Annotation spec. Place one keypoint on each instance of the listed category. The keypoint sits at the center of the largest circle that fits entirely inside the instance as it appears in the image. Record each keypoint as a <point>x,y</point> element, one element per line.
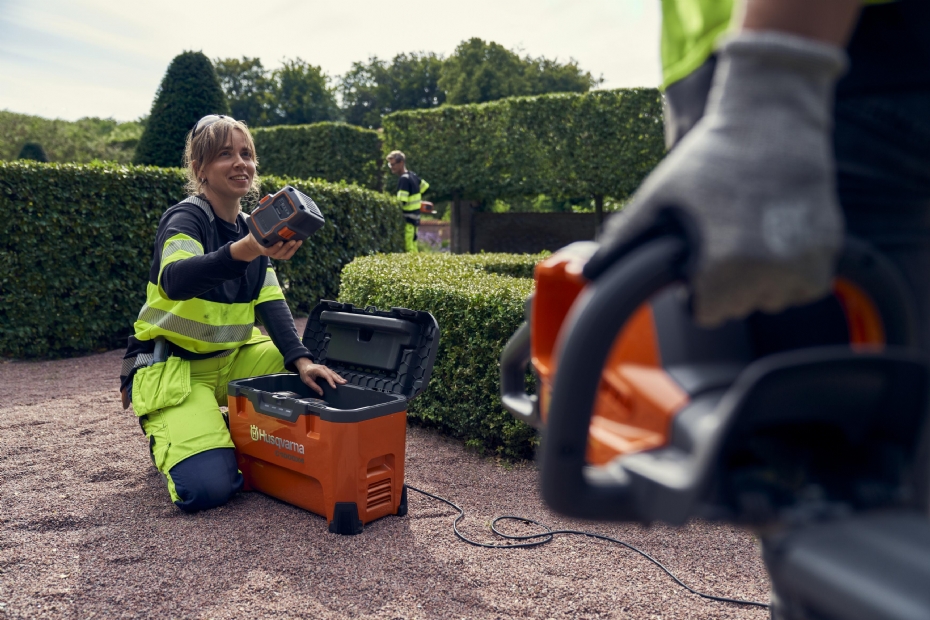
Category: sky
<point>74,58</point>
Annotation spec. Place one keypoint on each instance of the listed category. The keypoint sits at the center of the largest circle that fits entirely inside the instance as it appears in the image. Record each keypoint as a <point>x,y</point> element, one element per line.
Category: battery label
<point>283,208</point>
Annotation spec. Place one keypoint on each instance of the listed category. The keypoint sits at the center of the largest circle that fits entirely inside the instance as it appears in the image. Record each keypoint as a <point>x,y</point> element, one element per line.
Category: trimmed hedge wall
<point>329,151</point>
<point>77,246</point>
<point>601,143</point>
<point>478,301</point>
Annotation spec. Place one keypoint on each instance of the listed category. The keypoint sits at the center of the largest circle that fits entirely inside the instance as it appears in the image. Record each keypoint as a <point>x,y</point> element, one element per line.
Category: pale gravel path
<point>87,531</point>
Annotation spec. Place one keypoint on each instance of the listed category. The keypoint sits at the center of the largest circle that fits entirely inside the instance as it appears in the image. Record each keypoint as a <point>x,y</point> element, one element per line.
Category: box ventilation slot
<point>379,493</point>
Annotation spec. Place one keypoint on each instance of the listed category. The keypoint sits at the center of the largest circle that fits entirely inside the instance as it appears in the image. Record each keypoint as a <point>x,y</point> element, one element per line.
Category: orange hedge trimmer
<point>780,422</point>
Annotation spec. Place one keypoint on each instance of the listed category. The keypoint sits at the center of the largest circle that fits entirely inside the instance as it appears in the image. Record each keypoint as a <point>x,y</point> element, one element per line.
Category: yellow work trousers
<point>410,237</point>
<point>196,424</point>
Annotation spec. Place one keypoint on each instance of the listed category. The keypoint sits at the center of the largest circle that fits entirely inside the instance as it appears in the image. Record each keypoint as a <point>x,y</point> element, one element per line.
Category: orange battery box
<point>341,455</point>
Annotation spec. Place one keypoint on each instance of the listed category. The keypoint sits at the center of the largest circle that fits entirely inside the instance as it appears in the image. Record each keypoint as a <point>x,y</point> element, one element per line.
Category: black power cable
<point>550,533</point>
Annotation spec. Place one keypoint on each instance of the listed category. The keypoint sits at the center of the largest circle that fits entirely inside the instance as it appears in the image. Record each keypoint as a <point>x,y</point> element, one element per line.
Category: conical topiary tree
<point>33,151</point>
<point>189,91</point>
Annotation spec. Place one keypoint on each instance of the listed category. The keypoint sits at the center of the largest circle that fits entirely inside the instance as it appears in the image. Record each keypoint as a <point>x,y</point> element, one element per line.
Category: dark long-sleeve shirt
<point>202,300</point>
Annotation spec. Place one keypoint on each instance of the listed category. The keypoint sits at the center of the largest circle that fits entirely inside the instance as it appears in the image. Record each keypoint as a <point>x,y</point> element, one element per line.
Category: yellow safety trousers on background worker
<point>410,237</point>
<point>178,401</point>
<point>410,203</point>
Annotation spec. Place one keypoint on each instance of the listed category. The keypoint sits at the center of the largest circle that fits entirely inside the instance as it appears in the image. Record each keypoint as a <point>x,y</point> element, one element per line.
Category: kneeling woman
<point>208,279</point>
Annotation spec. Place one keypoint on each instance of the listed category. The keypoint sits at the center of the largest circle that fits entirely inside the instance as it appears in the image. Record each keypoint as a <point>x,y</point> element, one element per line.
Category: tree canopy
<point>371,90</point>
<point>189,91</point>
<point>248,87</point>
<point>480,71</point>
<point>294,94</point>
<point>301,95</point>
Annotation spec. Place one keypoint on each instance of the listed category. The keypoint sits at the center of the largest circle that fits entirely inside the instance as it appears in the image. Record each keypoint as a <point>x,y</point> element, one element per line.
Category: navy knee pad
<point>206,480</point>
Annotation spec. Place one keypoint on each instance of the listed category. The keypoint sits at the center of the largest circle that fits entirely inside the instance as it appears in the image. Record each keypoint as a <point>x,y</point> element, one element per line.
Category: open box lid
<point>389,351</point>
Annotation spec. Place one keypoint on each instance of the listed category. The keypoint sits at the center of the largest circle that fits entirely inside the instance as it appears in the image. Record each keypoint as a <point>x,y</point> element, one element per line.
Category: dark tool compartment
<point>386,356</point>
<point>346,404</point>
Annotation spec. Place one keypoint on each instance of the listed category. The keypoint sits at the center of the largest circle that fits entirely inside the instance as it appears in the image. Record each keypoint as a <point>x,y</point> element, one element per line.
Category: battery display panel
<point>283,208</point>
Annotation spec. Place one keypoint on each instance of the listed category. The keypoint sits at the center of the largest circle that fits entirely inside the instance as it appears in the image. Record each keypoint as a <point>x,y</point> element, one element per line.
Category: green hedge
<point>478,301</point>
<point>77,245</point>
<point>601,143</point>
<point>330,151</point>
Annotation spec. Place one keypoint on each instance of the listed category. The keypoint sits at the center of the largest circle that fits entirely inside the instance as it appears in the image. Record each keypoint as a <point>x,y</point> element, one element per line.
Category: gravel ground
<point>88,532</point>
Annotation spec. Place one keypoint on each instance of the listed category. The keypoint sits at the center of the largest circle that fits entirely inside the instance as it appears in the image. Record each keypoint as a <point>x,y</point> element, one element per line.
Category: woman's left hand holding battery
<point>248,249</point>
<point>310,372</point>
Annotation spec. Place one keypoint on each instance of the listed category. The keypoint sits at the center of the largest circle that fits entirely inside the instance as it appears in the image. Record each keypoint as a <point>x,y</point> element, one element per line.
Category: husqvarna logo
<point>260,435</point>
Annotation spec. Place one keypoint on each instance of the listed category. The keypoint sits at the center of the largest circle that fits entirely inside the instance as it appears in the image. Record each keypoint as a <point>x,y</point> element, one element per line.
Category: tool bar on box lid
<point>390,351</point>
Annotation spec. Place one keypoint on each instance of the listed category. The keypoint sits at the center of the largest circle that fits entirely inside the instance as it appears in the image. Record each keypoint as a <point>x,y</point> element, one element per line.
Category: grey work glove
<point>752,185</point>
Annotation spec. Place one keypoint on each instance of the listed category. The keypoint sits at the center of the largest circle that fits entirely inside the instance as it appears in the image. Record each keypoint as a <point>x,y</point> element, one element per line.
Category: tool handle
<point>514,359</point>
<point>568,484</point>
<point>584,344</point>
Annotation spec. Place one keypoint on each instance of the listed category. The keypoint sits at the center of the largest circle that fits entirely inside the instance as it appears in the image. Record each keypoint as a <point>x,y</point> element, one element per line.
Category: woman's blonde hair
<point>206,146</point>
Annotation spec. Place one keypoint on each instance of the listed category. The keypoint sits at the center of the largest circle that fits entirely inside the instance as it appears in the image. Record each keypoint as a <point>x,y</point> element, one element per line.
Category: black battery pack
<point>288,215</point>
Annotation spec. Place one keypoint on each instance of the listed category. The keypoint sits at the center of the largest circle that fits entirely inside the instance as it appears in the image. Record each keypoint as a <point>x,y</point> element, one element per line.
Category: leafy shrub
<point>247,87</point>
<point>80,141</point>
<point>189,91</point>
<point>33,151</point>
<point>597,144</point>
<point>479,71</point>
<point>301,95</point>
<point>478,300</point>
<point>77,246</point>
<point>296,93</point>
<point>330,151</point>
<point>371,90</point>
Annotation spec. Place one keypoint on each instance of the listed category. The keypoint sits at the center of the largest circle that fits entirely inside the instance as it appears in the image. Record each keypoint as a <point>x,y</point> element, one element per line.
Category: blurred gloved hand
<point>753,184</point>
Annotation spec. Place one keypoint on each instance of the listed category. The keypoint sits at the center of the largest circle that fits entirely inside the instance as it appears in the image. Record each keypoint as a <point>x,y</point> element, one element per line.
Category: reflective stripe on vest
<point>271,289</point>
<point>411,202</point>
<point>178,247</point>
<point>197,325</point>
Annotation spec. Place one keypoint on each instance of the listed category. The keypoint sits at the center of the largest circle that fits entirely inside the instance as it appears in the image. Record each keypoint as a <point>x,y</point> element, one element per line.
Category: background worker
<point>410,190</point>
<point>209,278</point>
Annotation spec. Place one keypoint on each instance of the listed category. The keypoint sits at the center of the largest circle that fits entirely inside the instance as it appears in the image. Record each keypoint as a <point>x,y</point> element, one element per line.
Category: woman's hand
<point>248,249</point>
<point>310,372</point>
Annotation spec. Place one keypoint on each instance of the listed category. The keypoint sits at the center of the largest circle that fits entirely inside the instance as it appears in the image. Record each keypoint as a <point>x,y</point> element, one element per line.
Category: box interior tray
<point>286,397</point>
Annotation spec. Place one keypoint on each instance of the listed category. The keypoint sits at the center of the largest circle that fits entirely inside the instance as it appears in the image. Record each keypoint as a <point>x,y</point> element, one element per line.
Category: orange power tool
<point>646,416</point>
<point>805,426</point>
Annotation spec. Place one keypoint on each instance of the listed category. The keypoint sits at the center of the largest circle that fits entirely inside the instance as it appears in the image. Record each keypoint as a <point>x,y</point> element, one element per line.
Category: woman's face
<point>230,175</point>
